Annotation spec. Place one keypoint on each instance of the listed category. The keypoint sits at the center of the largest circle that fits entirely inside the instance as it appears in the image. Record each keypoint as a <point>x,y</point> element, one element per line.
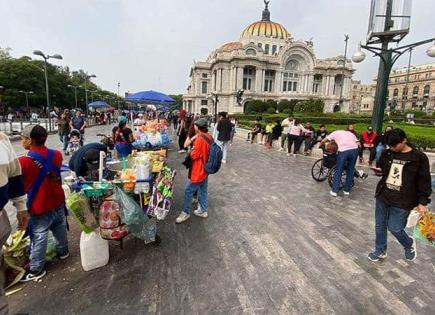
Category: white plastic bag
<point>413,218</point>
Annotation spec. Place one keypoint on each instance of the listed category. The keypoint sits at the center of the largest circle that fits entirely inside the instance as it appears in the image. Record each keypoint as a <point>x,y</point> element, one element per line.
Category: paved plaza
<point>275,242</point>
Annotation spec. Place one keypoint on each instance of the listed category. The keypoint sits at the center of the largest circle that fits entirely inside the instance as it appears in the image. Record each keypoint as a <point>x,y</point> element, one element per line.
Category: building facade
<point>267,64</point>
<point>410,88</point>
<point>362,97</point>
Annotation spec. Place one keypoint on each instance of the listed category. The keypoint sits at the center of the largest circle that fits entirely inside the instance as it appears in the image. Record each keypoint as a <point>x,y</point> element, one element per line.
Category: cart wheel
<point>318,171</point>
<point>342,179</point>
<point>157,241</point>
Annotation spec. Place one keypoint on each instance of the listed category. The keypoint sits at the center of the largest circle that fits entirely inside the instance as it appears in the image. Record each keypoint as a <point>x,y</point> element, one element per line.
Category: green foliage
<point>178,102</point>
<point>310,106</point>
<point>258,106</point>
<point>26,74</point>
<point>287,106</point>
<point>270,110</point>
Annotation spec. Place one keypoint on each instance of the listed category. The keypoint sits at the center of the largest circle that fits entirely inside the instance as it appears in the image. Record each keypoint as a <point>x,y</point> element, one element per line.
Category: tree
<point>310,106</point>
<point>287,105</point>
<point>26,74</point>
<point>178,102</point>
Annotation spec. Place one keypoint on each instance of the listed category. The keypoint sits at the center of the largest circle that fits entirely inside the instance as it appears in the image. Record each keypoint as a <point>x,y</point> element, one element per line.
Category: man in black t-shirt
<point>405,185</point>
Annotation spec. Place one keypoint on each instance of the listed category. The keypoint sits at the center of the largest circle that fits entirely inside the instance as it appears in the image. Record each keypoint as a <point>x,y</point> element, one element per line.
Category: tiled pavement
<point>275,243</point>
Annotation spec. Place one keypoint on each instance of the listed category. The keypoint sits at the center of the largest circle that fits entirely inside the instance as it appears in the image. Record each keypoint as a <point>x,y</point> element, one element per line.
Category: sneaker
<point>346,193</point>
<point>182,217</point>
<point>63,257</point>
<point>411,253</point>
<point>374,256</point>
<point>200,213</point>
<point>182,151</point>
<point>333,194</point>
<point>288,154</point>
<point>32,276</point>
<point>224,161</point>
<point>280,149</point>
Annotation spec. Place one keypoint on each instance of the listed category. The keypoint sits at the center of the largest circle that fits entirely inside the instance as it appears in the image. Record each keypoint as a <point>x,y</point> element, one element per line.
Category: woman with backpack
<point>123,138</point>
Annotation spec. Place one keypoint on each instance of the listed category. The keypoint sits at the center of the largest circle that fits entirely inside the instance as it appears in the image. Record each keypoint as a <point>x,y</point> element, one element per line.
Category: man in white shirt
<point>286,125</point>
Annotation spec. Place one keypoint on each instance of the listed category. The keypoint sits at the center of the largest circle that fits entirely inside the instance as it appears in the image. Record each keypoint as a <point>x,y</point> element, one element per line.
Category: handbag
<point>187,161</point>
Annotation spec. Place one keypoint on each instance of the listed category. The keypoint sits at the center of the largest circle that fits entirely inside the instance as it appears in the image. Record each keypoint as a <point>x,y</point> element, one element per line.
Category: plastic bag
<point>133,216</point>
<point>424,230</point>
<point>78,204</point>
<point>412,219</point>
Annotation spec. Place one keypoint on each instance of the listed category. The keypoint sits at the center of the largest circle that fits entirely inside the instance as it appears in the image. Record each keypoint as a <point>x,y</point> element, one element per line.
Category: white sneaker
<point>280,149</point>
<point>346,193</point>
<point>288,154</point>
<point>182,151</point>
<point>182,217</point>
<point>333,194</point>
<point>224,161</point>
<point>200,213</point>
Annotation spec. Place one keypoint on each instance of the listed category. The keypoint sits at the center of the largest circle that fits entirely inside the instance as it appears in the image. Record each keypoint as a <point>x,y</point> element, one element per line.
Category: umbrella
<point>98,104</point>
<point>150,97</point>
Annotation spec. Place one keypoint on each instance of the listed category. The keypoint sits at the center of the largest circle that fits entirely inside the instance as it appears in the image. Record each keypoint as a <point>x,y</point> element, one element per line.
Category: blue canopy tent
<point>152,97</point>
<point>98,104</point>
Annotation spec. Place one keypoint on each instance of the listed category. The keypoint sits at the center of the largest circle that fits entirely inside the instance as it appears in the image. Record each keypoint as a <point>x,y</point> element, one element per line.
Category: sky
<point>146,44</point>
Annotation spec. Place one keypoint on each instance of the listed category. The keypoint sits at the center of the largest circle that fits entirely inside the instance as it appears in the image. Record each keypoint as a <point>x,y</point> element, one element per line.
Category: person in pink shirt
<point>347,155</point>
<point>294,136</point>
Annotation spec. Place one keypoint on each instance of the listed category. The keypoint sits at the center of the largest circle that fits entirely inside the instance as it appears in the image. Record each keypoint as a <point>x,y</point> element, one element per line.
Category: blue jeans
<point>201,188</point>
<point>379,149</point>
<point>54,221</point>
<point>345,160</point>
<point>64,140</point>
<point>394,219</point>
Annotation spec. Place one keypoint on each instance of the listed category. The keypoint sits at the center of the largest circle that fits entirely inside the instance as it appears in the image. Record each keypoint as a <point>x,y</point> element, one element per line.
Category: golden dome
<point>231,46</point>
<point>266,29</point>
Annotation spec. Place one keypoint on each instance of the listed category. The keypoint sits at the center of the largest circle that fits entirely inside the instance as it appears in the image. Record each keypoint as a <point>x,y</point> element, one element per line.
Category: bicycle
<point>108,142</point>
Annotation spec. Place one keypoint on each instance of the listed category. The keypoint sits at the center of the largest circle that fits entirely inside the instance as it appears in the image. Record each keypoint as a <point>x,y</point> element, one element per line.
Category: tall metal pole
<point>27,101</point>
<point>75,95</point>
<point>86,95</point>
<point>384,70</point>
<point>346,39</point>
<point>407,80</point>
<point>47,93</point>
<point>119,84</point>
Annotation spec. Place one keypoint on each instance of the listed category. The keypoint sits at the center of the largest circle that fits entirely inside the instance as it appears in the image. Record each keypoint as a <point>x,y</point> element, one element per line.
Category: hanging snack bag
<point>110,222</point>
<point>78,204</point>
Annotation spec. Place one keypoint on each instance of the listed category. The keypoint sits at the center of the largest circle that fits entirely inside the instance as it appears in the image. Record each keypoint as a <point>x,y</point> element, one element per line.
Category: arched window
<point>415,92</point>
<point>249,78</point>
<point>260,45</point>
<point>273,49</point>
<point>426,91</point>
<point>317,84</point>
<point>405,93</point>
<point>266,49</point>
<point>251,52</point>
<point>291,76</point>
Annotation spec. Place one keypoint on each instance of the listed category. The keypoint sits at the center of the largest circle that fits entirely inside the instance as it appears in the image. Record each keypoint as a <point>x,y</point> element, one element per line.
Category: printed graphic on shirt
<point>394,180</point>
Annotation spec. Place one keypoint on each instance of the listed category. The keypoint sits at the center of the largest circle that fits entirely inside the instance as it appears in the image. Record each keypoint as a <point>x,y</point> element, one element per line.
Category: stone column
<point>258,78</point>
<point>310,83</point>
<point>240,78</point>
<point>331,85</point>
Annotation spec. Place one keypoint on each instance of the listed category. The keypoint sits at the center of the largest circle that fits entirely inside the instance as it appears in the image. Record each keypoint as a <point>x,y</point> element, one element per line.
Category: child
<point>267,132</point>
<point>45,199</point>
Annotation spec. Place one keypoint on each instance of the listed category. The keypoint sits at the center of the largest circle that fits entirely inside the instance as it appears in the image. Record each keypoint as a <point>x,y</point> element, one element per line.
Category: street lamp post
<point>215,99</point>
<point>75,92</point>
<point>346,40</point>
<point>383,30</point>
<point>87,77</point>
<point>46,57</point>
<point>119,84</point>
<point>26,93</point>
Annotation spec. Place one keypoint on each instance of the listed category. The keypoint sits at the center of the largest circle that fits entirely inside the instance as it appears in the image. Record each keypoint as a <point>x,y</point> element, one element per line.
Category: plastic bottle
<point>142,165</point>
<point>94,251</point>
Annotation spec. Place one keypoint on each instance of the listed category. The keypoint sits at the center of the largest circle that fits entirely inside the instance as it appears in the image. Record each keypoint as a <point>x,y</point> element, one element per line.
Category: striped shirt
<point>11,180</point>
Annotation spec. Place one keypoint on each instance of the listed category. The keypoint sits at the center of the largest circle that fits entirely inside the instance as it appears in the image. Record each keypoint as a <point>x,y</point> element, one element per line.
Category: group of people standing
<point>68,122</point>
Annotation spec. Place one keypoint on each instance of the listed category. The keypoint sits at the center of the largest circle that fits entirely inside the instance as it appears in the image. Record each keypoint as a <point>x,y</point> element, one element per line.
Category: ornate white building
<point>267,64</point>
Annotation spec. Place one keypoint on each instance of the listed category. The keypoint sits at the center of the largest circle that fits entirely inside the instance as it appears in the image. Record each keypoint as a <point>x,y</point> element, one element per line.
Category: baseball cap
<point>202,122</point>
<point>369,127</point>
<point>35,132</point>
